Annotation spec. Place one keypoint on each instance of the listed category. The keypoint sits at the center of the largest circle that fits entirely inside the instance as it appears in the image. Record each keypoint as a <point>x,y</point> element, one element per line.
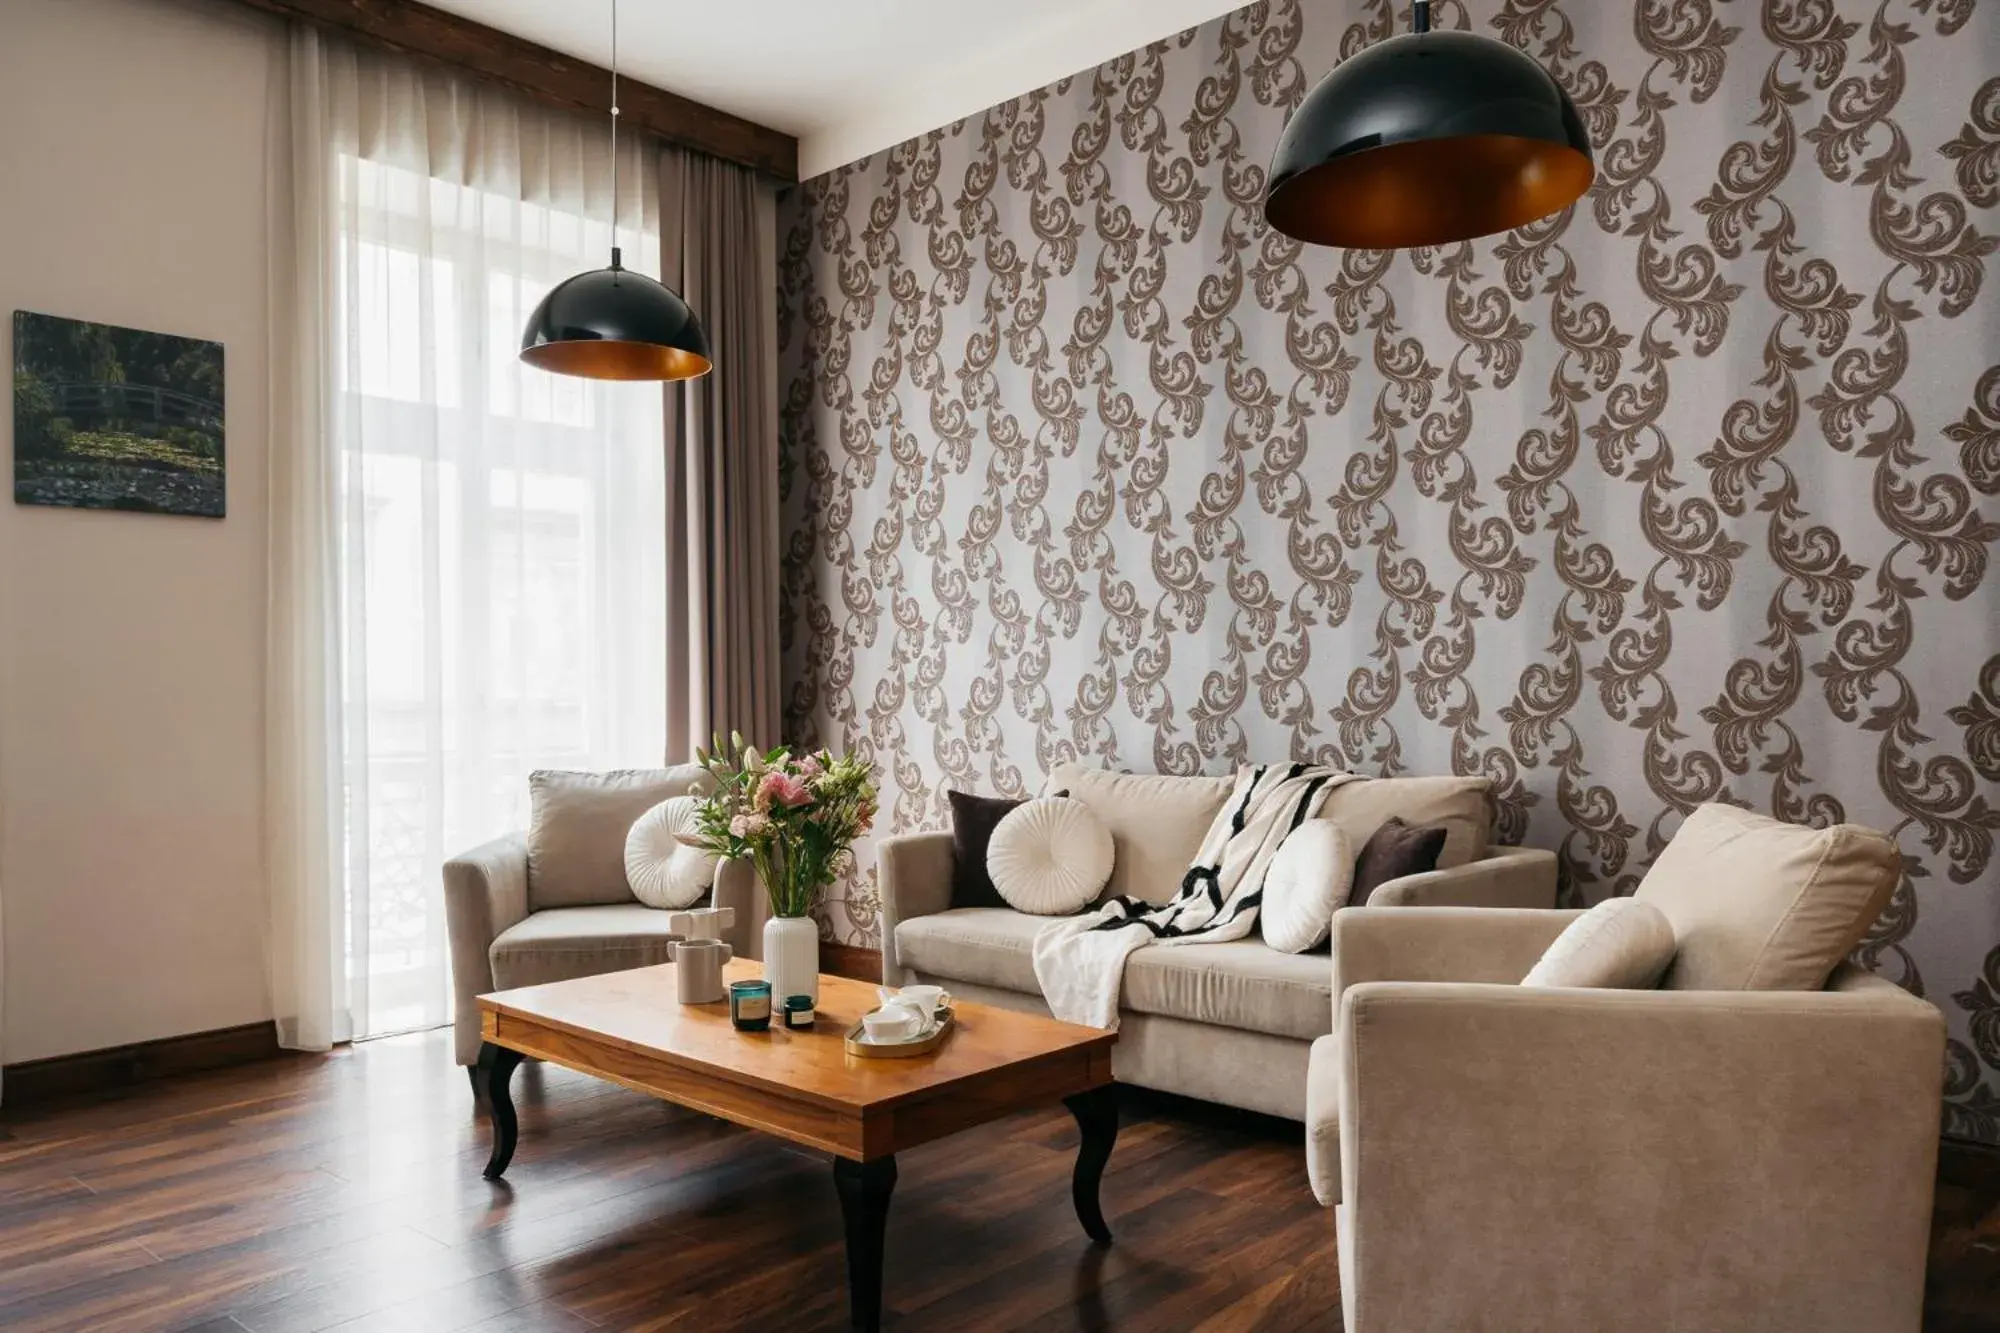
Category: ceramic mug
<point>702,923</point>
<point>698,970</point>
<point>895,1022</point>
<point>927,999</point>
<point>906,1013</point>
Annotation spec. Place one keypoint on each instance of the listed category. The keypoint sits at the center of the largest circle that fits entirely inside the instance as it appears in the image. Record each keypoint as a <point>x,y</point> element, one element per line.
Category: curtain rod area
<point>547,76</point>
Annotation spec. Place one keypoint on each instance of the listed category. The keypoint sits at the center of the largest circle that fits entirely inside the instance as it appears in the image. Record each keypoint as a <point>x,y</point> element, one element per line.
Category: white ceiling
<point>848,77</point>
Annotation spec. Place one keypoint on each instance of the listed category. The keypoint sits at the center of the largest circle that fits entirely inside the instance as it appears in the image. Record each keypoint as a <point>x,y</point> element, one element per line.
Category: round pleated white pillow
<point>663,871</point>
<point>1308,880</point>
<point>1050,857</point>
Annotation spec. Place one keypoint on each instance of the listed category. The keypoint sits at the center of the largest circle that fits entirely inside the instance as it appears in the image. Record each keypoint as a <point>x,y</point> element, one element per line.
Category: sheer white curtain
<point>494,602</point>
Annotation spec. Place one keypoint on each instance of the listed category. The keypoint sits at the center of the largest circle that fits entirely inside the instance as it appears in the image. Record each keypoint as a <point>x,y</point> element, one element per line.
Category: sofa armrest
<point>738,885</point>
<point>915,880</point>
<point>1510,877</point>
<point>1482,944</point>
<point>485,892</point>
<point>1765,1159</point>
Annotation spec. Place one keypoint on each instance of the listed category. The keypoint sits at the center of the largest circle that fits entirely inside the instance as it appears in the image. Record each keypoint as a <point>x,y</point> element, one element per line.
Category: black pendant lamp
<point>612,323</point>
<point>1424,139</point>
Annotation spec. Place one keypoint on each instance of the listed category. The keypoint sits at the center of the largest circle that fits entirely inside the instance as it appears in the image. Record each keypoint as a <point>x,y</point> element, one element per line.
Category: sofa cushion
<point>1156,823</point>
<point>973,819</point>
<point>1463,806</point>
<point>1757,904</point>
<point>661,870</point>
<point>578,825</point>
<point>992,946</point>
<point>571,942</point>
<point>1620,944</point>
<point>1244,984</point>
<point>1050,857</point>
<point>1309,880</point>
<point>1395,851</point>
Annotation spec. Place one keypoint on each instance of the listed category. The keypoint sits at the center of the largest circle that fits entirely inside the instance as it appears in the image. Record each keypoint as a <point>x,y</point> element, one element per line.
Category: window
<point>501,553</point>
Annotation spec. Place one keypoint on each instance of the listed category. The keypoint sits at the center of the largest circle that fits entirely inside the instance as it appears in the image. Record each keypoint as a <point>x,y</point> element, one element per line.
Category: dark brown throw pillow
<point>1393,851</point>
<point>973,819</point>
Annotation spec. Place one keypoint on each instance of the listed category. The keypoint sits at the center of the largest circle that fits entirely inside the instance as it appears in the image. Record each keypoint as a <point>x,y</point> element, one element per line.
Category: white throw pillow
<point>663,871</point>
<point>1620,944</point>
<point>1308,880</point>
<point>1050,857</point>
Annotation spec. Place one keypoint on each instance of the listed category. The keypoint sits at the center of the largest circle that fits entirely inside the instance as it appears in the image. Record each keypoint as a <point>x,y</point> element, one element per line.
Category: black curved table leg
<point>864,1205</point>
<point>1096,1115</point>
<point>497,1064</point>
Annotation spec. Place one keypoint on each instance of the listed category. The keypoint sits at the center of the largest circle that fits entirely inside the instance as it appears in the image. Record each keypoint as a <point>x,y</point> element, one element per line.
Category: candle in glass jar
<point>750,1005</point>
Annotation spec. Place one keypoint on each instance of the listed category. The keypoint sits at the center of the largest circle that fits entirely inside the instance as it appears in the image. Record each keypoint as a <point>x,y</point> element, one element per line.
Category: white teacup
<point>926,1000</point>
<point>894,1022</point>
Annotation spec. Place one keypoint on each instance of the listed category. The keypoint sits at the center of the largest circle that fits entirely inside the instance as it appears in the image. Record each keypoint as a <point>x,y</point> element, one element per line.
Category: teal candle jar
<point>750,1005</point>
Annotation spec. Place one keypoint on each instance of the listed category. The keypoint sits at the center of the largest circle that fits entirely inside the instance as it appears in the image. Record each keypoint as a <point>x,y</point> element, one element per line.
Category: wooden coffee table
<point>803,1086</point>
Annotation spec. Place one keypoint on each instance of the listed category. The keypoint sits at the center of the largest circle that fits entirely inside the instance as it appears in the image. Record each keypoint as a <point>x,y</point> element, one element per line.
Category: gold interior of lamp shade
<point>611,359</point>
<point>1430,191</point>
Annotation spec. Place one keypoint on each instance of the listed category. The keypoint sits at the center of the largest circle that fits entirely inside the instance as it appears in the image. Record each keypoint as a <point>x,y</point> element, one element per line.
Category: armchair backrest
<point>1757,904</point>
<point>576,842</point>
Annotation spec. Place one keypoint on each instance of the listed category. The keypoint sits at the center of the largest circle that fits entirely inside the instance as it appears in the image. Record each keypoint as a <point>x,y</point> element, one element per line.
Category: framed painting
<point>114,418</point>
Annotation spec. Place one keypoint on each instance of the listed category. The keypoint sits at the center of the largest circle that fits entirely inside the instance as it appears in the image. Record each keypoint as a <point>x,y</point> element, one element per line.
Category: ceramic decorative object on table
<point>932,999</point>
<point>894,1023</point>
<point>698,970</point>
<point>791,956</point>
<point>912,1021</point>
<point>796,818</point>
<point>702,923</point>
<point>860,1042</point>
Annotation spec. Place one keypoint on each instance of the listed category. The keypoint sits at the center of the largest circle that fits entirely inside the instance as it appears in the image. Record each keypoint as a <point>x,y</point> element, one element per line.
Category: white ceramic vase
<point>791,958</point>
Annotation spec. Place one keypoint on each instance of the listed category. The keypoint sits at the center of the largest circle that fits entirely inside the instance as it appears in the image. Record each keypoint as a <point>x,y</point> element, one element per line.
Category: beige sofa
<point>1680,1160</point>
<point>1231,1023</point>
<point>515,921</point>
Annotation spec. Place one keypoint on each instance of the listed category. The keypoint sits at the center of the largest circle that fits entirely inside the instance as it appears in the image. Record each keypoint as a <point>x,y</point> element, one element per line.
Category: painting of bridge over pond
<point>111,418</point>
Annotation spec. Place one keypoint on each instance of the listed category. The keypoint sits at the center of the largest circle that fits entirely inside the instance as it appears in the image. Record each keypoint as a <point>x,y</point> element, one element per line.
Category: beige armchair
<point>497,943</point>
<point>1681,1160</point>
<point>509,929</point>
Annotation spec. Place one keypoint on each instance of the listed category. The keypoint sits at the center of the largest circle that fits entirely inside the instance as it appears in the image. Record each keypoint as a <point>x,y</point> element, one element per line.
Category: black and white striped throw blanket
<point>1080,961</point>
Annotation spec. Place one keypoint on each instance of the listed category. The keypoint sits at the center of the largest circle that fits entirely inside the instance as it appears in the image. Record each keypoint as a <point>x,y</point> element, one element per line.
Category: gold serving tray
<point>901,1050</point>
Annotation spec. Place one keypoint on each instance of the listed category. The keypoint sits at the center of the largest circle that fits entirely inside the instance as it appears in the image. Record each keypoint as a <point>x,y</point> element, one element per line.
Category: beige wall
<point>132,174</point>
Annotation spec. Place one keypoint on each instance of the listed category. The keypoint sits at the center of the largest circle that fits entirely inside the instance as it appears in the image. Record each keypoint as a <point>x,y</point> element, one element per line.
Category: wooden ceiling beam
<point>548,76</point>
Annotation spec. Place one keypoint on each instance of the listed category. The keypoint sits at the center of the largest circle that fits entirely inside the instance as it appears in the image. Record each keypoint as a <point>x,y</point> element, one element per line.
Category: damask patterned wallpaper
<point>1685,495</point>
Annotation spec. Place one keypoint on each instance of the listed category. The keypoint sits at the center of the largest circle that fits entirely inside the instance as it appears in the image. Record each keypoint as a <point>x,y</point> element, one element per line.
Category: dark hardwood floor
<point>345,1192</point>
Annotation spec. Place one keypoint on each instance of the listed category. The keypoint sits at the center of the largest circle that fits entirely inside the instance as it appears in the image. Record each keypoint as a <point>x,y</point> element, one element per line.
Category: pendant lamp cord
<point>615,137</point>
<point>1420,17</point>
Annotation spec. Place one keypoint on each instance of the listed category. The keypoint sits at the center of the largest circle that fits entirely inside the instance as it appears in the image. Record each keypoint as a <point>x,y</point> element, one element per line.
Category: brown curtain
<point>718,249</point>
